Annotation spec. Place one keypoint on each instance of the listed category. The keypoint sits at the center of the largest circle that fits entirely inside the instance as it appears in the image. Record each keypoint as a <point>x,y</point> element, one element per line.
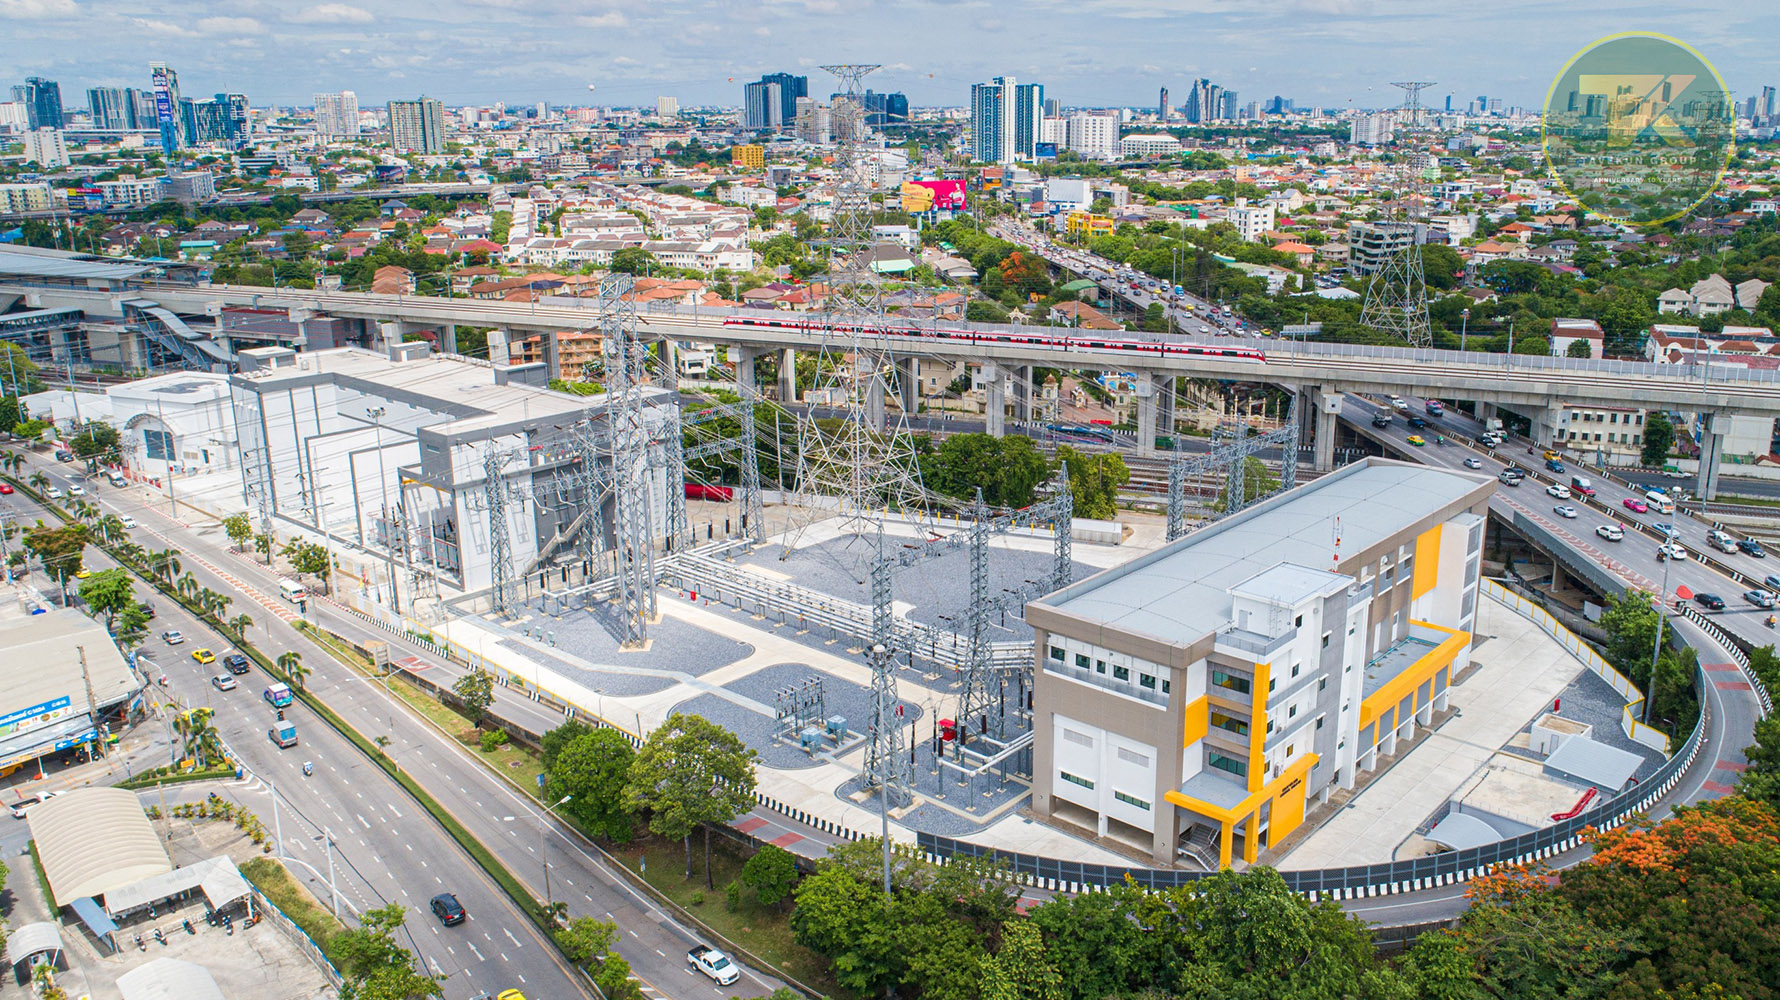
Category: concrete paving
<point>1519,671</point>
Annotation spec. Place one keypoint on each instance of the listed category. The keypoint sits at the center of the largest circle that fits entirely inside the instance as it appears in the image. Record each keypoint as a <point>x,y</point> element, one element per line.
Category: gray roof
<point>1462,831</point>
<point>1587,762</point>
<point>169,979</point>
<point>36,265</point>
<point>1180,593</point>
<point>30,939</point>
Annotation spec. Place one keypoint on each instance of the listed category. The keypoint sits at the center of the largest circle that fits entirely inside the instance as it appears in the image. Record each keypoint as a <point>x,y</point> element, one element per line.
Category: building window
<point>1075,779</point>
<point>1240,685</point>
<point>1319,721</point>
<point>1121,673</point>
<point>1223,763</point>
<point>1146,681</point>
<point>1229,723</point>
<point>1272,682</point>
<point>1131,800</point>
<point>1322,685</point>
<point>1296,667</point>
<point>1298,622</point>
<point>1164,685</point>
<point>1326,639</point>
<point>1081,661</point>
<point>1057,653</point>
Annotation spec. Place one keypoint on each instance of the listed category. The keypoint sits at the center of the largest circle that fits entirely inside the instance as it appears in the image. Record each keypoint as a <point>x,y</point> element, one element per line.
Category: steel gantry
<point>1230,460</point>
<point>887,765</point>
<point>635,535</point>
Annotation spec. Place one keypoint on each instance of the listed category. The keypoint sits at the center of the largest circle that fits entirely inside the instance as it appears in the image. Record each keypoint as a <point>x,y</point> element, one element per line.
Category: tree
<point>97,443</point>
<point>108,593</point>
<point>1094,481</point>
<point>771,873</point>
<point>1020,971</point>
<point>1761,782</point>
<point>1579,348</point>
<point>614,981</point>
<point>1008,469</point>
<point>239,528</point>
<point>164,564</point>
<point>476,691</point>
<point>594,769</point>
<point>292,665</point>
<point>374,965</point>
<point>240,624</point>
<point>690,773</point>
<point>586,939</point>
<point>556,739</point>
<point>1630,623</point>
<point>846,920</point>
<point>59,549</point>
<point>308,558</point>
<point>1659,439</point>
<point>633,260</point>
<point>201,740</point>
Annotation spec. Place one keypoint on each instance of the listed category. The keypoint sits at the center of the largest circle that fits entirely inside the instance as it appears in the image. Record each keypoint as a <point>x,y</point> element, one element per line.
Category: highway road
<point>500,817</point>
<point>386,848</point>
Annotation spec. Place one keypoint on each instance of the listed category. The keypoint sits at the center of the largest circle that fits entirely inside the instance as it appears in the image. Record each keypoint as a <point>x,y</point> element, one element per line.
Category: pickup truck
<point>714,964</point>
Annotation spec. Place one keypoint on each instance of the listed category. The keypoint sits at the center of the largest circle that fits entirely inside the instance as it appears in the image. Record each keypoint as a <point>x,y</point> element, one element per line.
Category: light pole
<point>1464,323</point>
<point>1656,645</point>
<point>542,854</point>
<point>389,545</point>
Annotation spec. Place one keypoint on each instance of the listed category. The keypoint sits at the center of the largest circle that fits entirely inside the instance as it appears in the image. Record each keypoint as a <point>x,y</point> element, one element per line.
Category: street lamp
<point>1656,644</point>
<point>542,855</point>
<point>1464,322</point>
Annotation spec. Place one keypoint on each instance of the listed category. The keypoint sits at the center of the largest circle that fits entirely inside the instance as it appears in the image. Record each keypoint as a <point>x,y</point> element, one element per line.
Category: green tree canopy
<point>593,768</point>
<point>690,773</point>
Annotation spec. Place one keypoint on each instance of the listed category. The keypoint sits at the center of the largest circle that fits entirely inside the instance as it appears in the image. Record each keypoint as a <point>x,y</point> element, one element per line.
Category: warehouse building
<point>387,452</point>
<point>1193,702</point>
<point>63,683</point>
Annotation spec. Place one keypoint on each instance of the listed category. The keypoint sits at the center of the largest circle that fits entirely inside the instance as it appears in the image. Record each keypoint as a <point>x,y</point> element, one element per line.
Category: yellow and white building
<point>1194,701</point>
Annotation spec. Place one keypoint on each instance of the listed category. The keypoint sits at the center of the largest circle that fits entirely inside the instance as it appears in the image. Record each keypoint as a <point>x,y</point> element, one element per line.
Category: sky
<point>1088,53</point>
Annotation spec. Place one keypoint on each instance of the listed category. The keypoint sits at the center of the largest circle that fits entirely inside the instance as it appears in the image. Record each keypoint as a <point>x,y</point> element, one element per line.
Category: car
<point>54,493</point>
<point>1711,602</point>
<point>1674,474</point>
<point>1416,439</point>
<point>22,806</point>
<point>224,682</point>
<point>5,489</point>
<point>1671,551</point>
<point>127,521</point>
<point>1553,465</point>
<point>1772,582</point>
<point>236,663</point>
<point>509,995</point>
<point>713,964</point>
<point>172,637</point>
<point>1417,422</point>
<point>147,609</point>
<point>203,656</point>
<point>1759,598</point>
<point>1473,463</point>
<point>1635,505</point>
<point>1611,532</point>
<point>1667,530</point>
<point>1558,490</point>
<point>76,490</point>
<point>449,911</point>
<point>1564,510</point>
<point>1751,547</point>
<point>1381,419</point>
<point>1398,403</point>
<point>82,573</point>
<point>1509,478</point>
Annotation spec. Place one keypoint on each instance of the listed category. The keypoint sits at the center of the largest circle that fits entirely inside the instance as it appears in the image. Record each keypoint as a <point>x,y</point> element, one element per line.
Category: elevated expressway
<point>1541,387</point>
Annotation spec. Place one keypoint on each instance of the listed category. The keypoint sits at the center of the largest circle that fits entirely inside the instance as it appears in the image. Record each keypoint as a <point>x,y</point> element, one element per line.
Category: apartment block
<point>1194,703</point>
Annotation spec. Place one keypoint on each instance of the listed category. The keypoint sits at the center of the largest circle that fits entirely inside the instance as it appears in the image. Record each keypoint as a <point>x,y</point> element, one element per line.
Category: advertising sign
<point>36,715</point>
<point>163,98</point>
<point>931,196</point>
<point>1044,150</point>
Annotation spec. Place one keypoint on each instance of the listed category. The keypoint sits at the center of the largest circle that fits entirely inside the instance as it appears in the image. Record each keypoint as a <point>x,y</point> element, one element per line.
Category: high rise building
<point>225,120</point>
<point>237,118</point>
<point>1373,129</point>
<point>1208,102</point>
<point>1094,134</point>
<point>142,107</point>
<point>1767,103</point>
<point>337,114</point>
<point>1028,111</point>
<point>1162,106</point>
<point>667,107</point>
<point>111,108</point>
<point>1053,108</point>
<point>763,106</point>
<point>417,126</point>
<point>886,109</point>
<point>790,89</point>
<point>42,100</point>
<point>44,147</point>
<point>991,141</point>
<point>166,118</point>
<point>813,122</point>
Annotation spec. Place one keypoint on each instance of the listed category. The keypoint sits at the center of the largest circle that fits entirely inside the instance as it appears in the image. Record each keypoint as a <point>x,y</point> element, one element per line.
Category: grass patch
<point>161,776</point>
<point>42,878</point>
<point>1747,501</point>
<point>763,930</point>
<point>286,893</point>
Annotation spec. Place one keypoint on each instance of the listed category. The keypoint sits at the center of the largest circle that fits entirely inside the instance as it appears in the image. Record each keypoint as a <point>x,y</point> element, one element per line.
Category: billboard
<point>1044,150</point>
<point>164,109</point>
<point>932,196</point>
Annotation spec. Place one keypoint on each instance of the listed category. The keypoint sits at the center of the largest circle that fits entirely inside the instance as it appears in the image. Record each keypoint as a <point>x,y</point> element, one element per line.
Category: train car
<point>1039,337</point>
<point>707,491</point>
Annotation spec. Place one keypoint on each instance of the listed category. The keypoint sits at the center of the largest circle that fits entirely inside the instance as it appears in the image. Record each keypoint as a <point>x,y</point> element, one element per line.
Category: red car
<point>5,489</point>
<point>1636,505</point>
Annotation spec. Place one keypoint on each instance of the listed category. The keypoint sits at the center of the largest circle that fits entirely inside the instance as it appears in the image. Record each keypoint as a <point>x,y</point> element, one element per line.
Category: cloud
<point>36,10</point>
<point>331,13</point>
<point>610,19</point>
<point>166,28</point>
<point>230,26</point>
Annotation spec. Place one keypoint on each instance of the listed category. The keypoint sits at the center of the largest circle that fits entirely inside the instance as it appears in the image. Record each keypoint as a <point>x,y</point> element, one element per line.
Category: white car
<point>1473,463</point>
<point>54,493</point>
<point>1558,490</point>
<point>76,490</point>
<point>1611,532</point>
<point>127,521</point>
<point>1564,510</point>
<point>23,806</point>
<point>1671,551</point>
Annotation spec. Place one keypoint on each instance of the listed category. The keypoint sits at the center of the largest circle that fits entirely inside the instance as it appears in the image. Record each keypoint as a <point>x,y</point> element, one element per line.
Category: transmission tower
<point>500,543</point>
<point>973,697</point>
<point>1397,297</point>
<point>862,466</point>
<point>631,476</point>
<point>886,756</point>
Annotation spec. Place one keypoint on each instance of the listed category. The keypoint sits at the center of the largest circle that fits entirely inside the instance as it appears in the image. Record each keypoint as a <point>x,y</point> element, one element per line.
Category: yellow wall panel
<point>1198,721</point>
<point>1427,562</point>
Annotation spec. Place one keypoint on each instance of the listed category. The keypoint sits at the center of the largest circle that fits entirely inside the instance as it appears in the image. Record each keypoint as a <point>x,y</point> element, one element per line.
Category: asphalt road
<point>501,818</point>
<point>386,848</point>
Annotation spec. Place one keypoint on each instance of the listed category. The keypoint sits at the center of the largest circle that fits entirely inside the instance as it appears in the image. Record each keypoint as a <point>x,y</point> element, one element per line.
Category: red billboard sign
<point>941,196</point>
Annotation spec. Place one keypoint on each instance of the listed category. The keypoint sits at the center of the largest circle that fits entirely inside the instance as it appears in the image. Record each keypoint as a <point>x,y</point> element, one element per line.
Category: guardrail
<point>1637,731</point>
<point>305,943</point>
<point>1762,694</point>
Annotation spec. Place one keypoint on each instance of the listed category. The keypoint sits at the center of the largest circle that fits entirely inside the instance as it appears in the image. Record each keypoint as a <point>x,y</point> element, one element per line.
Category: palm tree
<point>39,481</point>
<point>239,625</point>
<point>165,564</point>
<point>292,665</point>
<point>11,460</point>
<point>187,586</point>
<point>84,511</point>
<point>219,605</point>
<point>201,738</point>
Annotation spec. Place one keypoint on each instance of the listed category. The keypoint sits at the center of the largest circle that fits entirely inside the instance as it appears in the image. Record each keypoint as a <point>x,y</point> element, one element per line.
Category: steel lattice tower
<point>631,477</point>
<point>886,756</point>
<point>973,696</point>
<point>500,544</point>
<point>1397,296</point>
<point>864,466</point>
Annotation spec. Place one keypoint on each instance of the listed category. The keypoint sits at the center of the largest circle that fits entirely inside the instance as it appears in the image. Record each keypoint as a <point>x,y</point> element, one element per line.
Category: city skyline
<point>481,52</point>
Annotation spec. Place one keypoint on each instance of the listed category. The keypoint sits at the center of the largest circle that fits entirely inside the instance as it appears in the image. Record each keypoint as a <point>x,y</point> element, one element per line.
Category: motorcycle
<point>308,769</point>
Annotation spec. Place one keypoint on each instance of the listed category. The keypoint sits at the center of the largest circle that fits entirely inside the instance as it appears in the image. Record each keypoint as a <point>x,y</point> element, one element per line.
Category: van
<point>283,733</point>
<point>115,478</point>
<point>292,592</point>
<point>1581,486</point>
<point>279,695</point>
<point>1660,502</point>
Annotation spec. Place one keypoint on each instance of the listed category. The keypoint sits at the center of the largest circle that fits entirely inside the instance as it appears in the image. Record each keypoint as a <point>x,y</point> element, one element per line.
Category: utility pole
<point>389,534</point>
<point>86,677</point>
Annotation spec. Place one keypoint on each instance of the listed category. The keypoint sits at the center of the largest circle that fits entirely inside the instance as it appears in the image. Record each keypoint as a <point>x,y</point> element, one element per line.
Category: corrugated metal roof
<point>72,266</point>
<point>1588,762</point>
<point>93,840</point>
<point>31,939</point>
<point>169,979</point>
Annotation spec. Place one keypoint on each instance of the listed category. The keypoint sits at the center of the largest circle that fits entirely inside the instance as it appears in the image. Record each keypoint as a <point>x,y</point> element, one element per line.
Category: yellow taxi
<point>510,995</point>
<point>83,574</point>
<point>1417,440</point>
<point>1552,456</point>
<point>203,656</point>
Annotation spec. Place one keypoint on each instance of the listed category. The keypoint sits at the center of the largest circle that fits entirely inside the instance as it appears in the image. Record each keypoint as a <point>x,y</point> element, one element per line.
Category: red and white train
<point>1057,339</point>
